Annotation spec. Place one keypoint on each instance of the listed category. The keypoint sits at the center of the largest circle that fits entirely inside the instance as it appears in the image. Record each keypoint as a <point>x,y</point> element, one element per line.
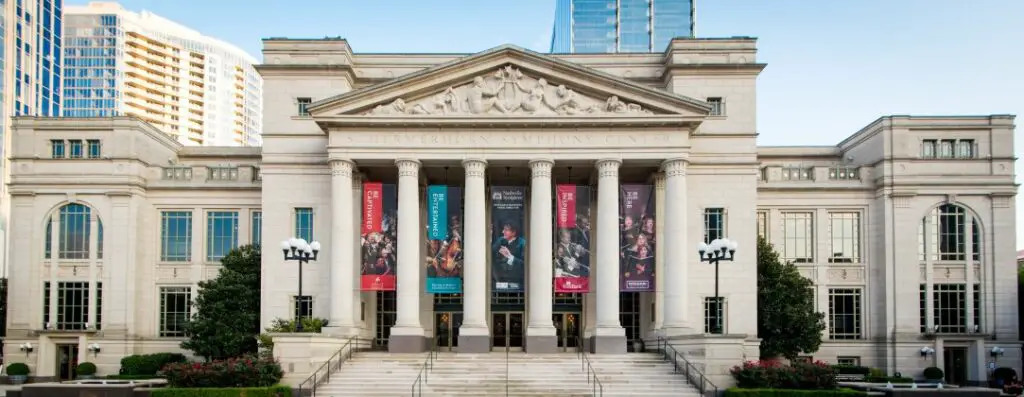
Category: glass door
<point>507,330</point>
<point>567,329</point>
<point>67,361</point>
<point>499,331</point>
<point>446,330</point>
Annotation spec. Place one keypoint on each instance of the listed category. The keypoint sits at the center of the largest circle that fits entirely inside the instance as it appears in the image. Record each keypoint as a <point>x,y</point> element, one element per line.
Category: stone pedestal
<point>715,355</point>
<point>474,339</point>
<point>302,353</point>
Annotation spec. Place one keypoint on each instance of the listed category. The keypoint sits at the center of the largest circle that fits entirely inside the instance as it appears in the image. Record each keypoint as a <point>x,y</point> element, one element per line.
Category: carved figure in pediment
<point>566,103</point>
<point>481,97</point>
<point>395,107</point>
<point>447,102</point>
<point>536,98</point>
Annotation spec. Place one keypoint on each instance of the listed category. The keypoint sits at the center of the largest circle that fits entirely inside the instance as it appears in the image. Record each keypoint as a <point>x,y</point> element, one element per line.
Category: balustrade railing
<point>690,371</point>
<point>323,374</point>
<point>596,388</point>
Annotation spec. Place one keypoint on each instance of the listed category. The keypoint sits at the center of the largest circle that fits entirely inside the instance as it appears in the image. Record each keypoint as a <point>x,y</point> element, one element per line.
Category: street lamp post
<point>721,249</point>
<point>297,249</point>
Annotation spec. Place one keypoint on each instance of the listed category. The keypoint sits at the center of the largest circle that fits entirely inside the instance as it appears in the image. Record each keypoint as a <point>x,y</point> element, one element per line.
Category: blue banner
<point>444,240</point>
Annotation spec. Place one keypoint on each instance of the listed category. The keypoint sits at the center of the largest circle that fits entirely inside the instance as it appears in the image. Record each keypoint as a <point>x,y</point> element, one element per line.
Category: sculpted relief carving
<point>509,92</point>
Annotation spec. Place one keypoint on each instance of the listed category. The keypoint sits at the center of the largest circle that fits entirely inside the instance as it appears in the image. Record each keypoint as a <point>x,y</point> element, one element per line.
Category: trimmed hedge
<point>273,391</point>
<point>149,364</point>
<point>737,392</point>
<point>134,377</point>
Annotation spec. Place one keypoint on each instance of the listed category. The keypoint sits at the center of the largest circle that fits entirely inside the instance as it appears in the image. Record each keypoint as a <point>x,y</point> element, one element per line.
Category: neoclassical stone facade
<point>907,208</point>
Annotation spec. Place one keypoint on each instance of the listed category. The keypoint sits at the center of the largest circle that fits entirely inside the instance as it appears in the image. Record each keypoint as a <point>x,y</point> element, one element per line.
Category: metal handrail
<point>690,371</point>
<point>421,376</point>
<point>323,374</point>
<point>506,369</point>
<point>596,388</point>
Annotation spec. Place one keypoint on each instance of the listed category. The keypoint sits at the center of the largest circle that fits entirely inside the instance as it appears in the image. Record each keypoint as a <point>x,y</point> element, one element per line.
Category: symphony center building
<point>512,199</point>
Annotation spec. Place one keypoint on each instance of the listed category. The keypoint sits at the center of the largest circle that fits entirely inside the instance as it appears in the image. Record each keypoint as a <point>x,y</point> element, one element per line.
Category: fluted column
<point>609,336</point>
<point>474,335</point>
<point>540,331</point>
<point>678,250</point>
<point>407,334</point>
<point>659,252</point>
<point>342,319</point>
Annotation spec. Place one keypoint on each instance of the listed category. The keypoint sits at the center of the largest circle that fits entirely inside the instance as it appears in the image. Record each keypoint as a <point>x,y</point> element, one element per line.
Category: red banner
<point>566,206</point>
<point>379,236</point>
<point>372,208</point>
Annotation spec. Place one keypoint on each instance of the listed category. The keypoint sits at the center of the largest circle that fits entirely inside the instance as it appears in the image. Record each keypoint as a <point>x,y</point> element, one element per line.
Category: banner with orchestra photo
<point>379,237</point>
<point>444,239</point>
<point>636,234</point>
<point>572,238</point>
<point>508,242</point>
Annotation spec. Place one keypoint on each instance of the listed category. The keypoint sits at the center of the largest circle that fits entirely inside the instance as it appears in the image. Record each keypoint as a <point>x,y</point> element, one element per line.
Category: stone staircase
<point>378,374</point>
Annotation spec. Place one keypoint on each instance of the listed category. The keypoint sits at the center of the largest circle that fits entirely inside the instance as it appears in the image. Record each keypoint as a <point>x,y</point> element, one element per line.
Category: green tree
<point>227,309</point>
<point>787,322</point>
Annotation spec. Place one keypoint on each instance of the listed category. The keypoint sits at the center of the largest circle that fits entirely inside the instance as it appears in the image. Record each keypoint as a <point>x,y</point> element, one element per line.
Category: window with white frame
<point>844,313</point>
<point>256,228</point>
<point>175,310</point>
<point>714,224</point>
<point>303,106</point>
<point>844,236</point>
<point>302,306</point>
<point>947,234</point>
<point>714,315</point>
<point>176,236</point>
<point>798,237</point>
<point>717,106</point>
<point>304,223</point>
<point>949,308</point>
<point>762,224</point>
<point>851,361</point>
<point>72,306</point>
<point>75,234</point>
<point>948,148</point>
<point>221,234</point>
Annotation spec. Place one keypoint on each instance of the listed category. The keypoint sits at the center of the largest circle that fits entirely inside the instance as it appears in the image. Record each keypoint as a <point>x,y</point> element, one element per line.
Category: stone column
<point>678,250</point>
<point>540,330</point>
<point>609,336</point>
<point>342,320</point>
<point>474,334</point>
<point>407,335</point>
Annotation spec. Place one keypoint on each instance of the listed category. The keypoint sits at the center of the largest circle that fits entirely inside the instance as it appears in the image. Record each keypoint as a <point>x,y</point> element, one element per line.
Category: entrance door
<point>955,363</point>
<point>446,330</point>
<point>567,329</point>
<point>67,361</point>
<point>507,330</point>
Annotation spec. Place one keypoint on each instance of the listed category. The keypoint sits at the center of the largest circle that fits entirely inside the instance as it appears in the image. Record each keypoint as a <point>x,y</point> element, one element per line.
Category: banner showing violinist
<point>379,237</point>
<point>572,238</point>
<point>636,234</point>
<point>444,239</point>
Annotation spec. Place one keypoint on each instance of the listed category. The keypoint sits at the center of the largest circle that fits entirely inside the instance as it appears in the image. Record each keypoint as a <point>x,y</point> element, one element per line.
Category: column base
<point>474,339</point>
<point>609,340</point>
<point>541,340</point>
<point>407,340</point>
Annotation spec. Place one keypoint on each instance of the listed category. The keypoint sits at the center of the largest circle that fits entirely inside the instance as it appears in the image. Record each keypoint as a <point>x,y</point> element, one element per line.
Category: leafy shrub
<point>933,373</point>
<point>876,373</point>
<point>889,379</point>
<point>276,391</point>
<point>852,370</point>
<point>280,325</point>
<point>18,369</point>
<point>149,364</point>
<point>234,372</point>
<point>133,377</point>
<point>86,369</point>
<point>773,375</point>
<point>737,392</point>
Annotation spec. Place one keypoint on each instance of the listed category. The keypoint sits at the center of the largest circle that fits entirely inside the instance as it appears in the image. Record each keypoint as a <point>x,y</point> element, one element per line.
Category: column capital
<point>541,168</point>
<point>674,167</point>
<point>341,167</point>
<point>407,167</point>
<point>608,167</point>
<point>474,167</point>
<point>659,181</point>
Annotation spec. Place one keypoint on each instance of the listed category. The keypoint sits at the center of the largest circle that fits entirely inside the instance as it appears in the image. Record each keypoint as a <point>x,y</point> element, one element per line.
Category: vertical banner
<point>444,239</point>
<point>636,234</point>
<point>572,238</point>
<point>508,244</point>
<point>379,237</point>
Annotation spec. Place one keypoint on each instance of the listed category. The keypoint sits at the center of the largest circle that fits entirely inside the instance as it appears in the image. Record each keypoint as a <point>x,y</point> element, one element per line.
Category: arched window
<point>75,232</point>
<point>947,234</point>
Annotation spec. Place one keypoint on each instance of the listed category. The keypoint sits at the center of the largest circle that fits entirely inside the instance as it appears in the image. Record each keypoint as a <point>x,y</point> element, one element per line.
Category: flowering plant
<point>248,371</point>
<point>775,375</point>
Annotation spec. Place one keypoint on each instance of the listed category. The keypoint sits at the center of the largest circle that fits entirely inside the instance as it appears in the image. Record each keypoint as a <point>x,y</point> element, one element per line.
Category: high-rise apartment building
<point>200,90</point>
<point>612,26</point>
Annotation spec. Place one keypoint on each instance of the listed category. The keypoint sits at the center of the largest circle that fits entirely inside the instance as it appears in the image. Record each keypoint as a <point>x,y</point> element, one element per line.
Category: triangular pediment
<point>509,81</point>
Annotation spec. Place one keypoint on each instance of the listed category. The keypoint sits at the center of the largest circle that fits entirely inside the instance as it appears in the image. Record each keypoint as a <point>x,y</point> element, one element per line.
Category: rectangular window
<point>221,233</point>
<point>304,223</point>
<point>844,237</point>
<point>717,106</point>
<point>714,315</point>
<point>303,105</point>
<point>303,306</point>
<point>844,313</point>
<point>762,224</point>
<point>928,148</point>
<point>175,310</point>
<point>797,173</point>
<point>76,148</point>
<point>714,224</point>
<point>72,305</point>
<point>57,149</point>
<point>94,148</point>
<point>256,233</point>
<point>852,361</point>
<point>949,302</point>
<point>798,237</point>
<point>965,148</point>
<point>946,148</point>
<point>176,236</point>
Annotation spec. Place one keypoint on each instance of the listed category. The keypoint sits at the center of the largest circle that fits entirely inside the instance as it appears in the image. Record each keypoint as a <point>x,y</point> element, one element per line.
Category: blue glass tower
<point>91,73</point>
<point>38,28</point>
<point>610,26</point>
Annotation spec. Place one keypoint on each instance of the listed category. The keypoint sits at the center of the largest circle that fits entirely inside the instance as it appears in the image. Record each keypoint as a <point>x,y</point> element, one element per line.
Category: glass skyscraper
<point>36,66</point>
<point>610,26</point>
